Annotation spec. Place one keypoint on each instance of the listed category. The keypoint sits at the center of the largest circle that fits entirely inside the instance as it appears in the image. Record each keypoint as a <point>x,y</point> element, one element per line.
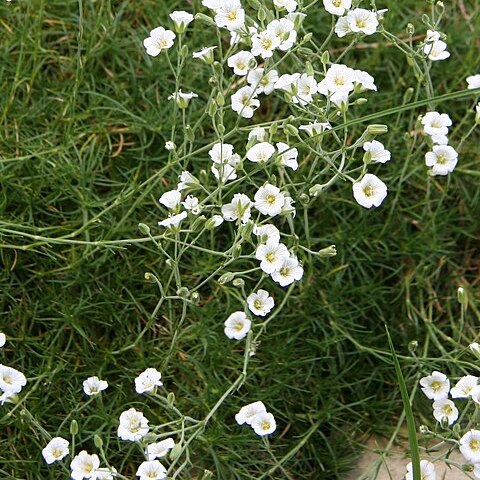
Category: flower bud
<point>195,297</point>
<point>211,108</point>
<point>423,429</point>
<point>273,128</point>
<point>221,129</point>
<point>213,222</point>
<point>218,69</point>
<point>171,398</point>
<point>237,250</point>
<point>309,69</point>
<point>461,296</point>
<point>238,282</point>
<point>73,427</point>
<point>205,18</point>
<point>325,58</point>
<point>176,451</point>
<point>183,292</point>
<point>412,346</point>
<point>262,14</point>
<point>316,190</point>
<point>189,134</point>
<point>220,99</point>
<point>304,199</point>
<point>226,278</point>
<point>360,101</point>
<point>377,129</point>
<point>184,52</point>
<point>291,130</point>
<point>144,229</point>
<point>330,251</point>
<point>410,29</point>
<point>98,442</point>
<point>407,96</point>
<point>307,37</point>
<point>254,4</point>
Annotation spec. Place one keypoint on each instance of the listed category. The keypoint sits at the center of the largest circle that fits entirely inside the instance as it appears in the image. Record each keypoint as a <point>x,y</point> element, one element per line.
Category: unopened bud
<point>309,69</point>
<point>176,451</point>
<point>325,58</point>
<point>144,229</point>
<point>461,296</point>
<point>226,278</point>
<point>360,101</point>
<point>183,292</point>
<point>189,134</point>
<point>237,250</point>
<point>330,251</point>
<point>184,51</point>
<point>221,129</point>
<point>410,29</point>
<point>412,346</point>
<point>377,129</point>
<point>220,99</point>
<point>262,14</point>
<point>291,130</point>
<point>307,37</point>
<point>73,427</point>
<point>407,96</point>
<point>238,282</point>
<point>171,398</point>
<point>98,442</point>
<point>304,199</point>
<point>149,277</point>
<point>205,18</point>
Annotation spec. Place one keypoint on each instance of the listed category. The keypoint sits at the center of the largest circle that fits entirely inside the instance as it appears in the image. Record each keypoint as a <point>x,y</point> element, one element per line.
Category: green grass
<point>83,121</point>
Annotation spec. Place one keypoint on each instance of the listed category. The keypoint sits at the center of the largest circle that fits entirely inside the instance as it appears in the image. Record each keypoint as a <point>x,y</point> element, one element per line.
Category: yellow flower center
<point>270,199</point>
<point>232,15</point>
<point>368,191</point>
<point>267,44</point>
<point>441,159</point>
<point>474,445</point>
<point>257,304</point>
<point>337,3</point>
<point>238,326</point>
<point>265,425</point>
<point>270,256</point>
<point>436,385</point>
<point>361,23</point>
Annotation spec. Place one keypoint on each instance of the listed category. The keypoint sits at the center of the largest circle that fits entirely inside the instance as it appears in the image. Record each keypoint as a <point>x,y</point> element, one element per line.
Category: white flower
<point>288,5</point>
<point>287,156</point>
<point>427,470</point>
<point>182,99</point>
<point>339,78</point>
<point>470,446</point>
<point>432,36</point>
<point>237,325</point>
<point>244,102</point>
<point>148,381</point>
<point>171,199</point>
<point>474,347</point>
<point>342,27</point>
<point>241,62</point>
<point>3,339</point>
<point>261,152</point>
<point>264,43</point>
<point>133,425</point>
<point>262,82</point>
<point>436,50</point>
<point>267,233</point>
<point>169,146</point>
<point>159,449</point>
<point>173,220</point>
<point>223,172</point>
<point>476,470</point>
<point>264,423</point>
<point>269,200</point>
<point>376,152</point>
<point>84,465</point>
<point>223,153</point>
<point>337,7</point>
<point>191,203</point>
<point>181,19</point>
<point>105,473</point>
<point>249,412</point>
<point>315,128</point>
<point>159,39</point>
<point>151,470</point>
<point>445,408</point>
<point>443,159</point>
<point>237,209</point>
<point>365,80</point>
<point>361,20</point>
<point>187,180</point>
<point>284,30</point>
<point>435,123</point>
<point>93,386</point>
<point>370,191</point>
<point>272,256</point>
<point>230,15</point>
<point>289,272</point>
<point>260,303</point>
<point>7,397</point>
<point>297,18</point>
<point>214,222</point>
<point>473,81</point>
<point>259,134</point>
<point>438,139</point>
<point>288,207</point>
<point>56,449</point>
<point>435,386</point>
<point>463,388</point>
<point>205,54</point>
<point>11,380</point>
<point>306,87</point>
<point>212,4</point>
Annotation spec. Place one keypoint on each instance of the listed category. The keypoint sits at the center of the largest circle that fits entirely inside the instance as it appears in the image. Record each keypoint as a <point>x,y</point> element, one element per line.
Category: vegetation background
<point>83,122</point>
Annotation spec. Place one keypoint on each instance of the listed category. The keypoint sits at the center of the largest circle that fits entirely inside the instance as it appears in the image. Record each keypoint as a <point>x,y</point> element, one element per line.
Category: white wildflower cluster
<point>11,380</point>
<point>443,158</point>
<point>434,48</point>
<point>256,416</point>
<point>437,388</point>
<point>133,426</point>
